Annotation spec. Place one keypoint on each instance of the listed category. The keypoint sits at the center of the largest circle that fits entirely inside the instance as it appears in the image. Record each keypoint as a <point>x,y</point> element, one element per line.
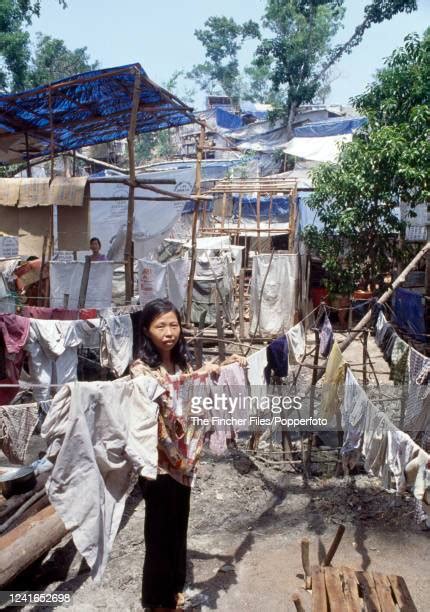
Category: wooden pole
<point>239,217</point>
<point>305,561</point>
<point>220,328</point>
<point>129,267</point>
<point>334,546</point>
<point>384,297</point>
<point>258,222</point>
<point>27,155</point>
<point>195,221</point>
<point>223,207</point>
<point>292,222</point>
<point>84,282</point>
<point>308,457</point>
<point>241,304</point>
<point>365,336</point>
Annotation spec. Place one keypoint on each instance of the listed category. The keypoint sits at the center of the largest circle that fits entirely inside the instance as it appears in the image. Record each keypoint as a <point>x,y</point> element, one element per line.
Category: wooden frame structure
<point>260,187</point>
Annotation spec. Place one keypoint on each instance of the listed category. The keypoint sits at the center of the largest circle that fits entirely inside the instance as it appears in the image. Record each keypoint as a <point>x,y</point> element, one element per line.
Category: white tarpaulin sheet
<point>278,295</point>
<point>65,278</point>
<point>164,281</point>
<point>324,149</point>
<point>152,219</point>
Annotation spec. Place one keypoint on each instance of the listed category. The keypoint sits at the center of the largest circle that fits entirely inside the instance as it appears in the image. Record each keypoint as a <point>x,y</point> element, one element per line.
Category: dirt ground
<point>247,520</point>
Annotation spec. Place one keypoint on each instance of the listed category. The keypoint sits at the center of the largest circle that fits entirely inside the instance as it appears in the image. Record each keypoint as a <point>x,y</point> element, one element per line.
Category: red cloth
<point>57,314</point>
<point>88,313</point>
<point>14,333</point>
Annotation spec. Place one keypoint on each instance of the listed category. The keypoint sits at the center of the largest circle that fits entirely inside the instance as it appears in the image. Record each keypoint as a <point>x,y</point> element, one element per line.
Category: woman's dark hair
<point>147,351</point>
<point>94,239</point>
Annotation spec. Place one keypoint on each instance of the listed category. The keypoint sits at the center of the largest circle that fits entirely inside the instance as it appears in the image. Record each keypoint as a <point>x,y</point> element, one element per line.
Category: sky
<point>160,35</point>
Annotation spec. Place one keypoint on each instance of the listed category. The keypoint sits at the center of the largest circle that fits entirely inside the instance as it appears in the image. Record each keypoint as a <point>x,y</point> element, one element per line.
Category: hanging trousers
<point>167,508</point>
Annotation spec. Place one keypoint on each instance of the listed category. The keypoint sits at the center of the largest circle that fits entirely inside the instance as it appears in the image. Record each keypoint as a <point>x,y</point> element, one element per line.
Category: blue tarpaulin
<point>189,207</point>
<point>279,212</point>
<point>227,120</point>
<point>86,109</point>
<point>307,216</point>
<point>330,127</point>
<point>408,309</point>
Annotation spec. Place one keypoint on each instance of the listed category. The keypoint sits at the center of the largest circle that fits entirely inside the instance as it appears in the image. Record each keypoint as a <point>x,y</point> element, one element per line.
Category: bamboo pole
<point>365,336</point>
<point>241,303</point>
<point>384,297</point>
<point>308,457</point>
<point>258,222</point>
<point>239,217</point>
<point>130,212</point>
<point>27,155</point>
<point>195,221</point>
<point>223,207</point>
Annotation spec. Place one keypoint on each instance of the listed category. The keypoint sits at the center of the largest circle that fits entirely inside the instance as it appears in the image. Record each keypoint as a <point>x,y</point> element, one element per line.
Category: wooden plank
<point>383,589</point>
<point>368,592</point>
<point>26,543</point>
<point>333,584</point>
<point>402,594</point>
<point>319,593</point>
<point>350,590</point>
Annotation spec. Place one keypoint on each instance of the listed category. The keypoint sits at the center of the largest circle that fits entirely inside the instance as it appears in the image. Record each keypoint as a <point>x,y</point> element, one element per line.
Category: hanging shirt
<point>354,408</point>
<point>333,378</point>
<point>297,343</point>
<point>17,425</point>
<point>98,435</point>
<point>180,438</point>
<point>116,343</point>
<point>399,361</point>
<point>14,332</point>
<point>326,337</point>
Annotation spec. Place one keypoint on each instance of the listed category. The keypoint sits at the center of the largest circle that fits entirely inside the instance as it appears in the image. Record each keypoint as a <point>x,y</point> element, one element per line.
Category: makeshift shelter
<point>85,109</point>
<point>257,207</point>
<point>88,109</point>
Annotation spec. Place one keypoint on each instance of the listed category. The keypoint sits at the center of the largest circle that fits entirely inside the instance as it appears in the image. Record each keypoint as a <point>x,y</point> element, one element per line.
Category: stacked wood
<point>26,543</point>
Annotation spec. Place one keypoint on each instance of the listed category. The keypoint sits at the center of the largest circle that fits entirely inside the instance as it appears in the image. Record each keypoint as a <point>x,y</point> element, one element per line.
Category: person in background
<point>95,246</point>
<point>164,352</point>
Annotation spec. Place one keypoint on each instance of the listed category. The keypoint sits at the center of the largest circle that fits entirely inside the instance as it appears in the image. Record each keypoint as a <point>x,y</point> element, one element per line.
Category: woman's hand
<point>240,359</point>
<point>209,369</point>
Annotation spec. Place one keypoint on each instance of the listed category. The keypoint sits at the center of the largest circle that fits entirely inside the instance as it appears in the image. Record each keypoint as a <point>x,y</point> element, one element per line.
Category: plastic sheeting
<point>227,120</point>
<point>408,309</point>
<point>278,213</point>
<point>66,278</point>
<point>152,220</point>
<point>330,127</point>
<point>87,109</point>
<point>324,149</point>
<point>278,296</point>
<point>307,216</point>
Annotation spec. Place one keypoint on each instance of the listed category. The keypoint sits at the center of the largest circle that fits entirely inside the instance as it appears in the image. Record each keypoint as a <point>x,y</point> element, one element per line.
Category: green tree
<point>158,145</point>
<point>294,56</point>
<point>301,50</point>
<point>15,41</point>
<point>222,39</point>
<point>53,61</point>
<point>387,162</point>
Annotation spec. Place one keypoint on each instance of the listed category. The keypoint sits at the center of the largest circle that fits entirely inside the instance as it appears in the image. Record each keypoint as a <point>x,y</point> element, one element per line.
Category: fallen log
<point>27,542</point>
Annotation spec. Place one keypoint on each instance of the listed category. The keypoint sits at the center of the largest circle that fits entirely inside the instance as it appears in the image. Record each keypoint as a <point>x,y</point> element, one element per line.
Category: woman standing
<point>163,354</point>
